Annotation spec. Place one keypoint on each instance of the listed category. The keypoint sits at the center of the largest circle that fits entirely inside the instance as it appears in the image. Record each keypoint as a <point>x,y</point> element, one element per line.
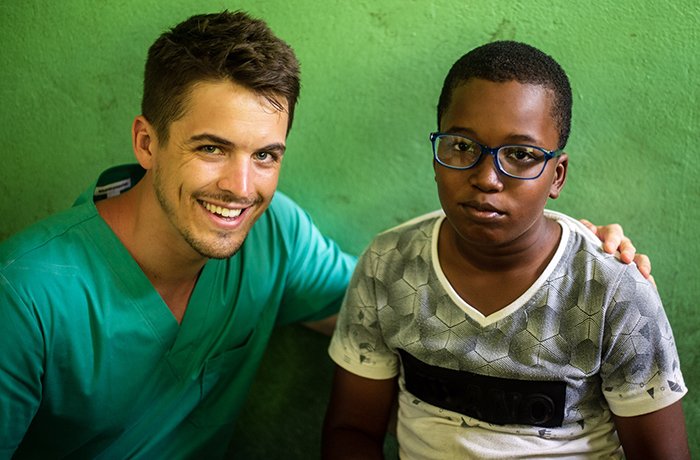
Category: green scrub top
<point>93,363</point>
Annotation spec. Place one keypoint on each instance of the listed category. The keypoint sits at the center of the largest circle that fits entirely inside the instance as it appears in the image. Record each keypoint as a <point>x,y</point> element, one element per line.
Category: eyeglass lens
<point>516,160</point>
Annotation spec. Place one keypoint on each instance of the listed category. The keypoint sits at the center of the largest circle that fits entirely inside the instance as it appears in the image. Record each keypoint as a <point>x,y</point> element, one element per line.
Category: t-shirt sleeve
<point>21,368</point>
<point>357,344</point>
<point>318,271</point>
<point>640,367</point>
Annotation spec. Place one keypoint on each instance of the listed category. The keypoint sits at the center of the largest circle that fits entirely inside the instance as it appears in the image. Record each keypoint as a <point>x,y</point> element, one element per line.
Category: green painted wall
<point>359,157</point>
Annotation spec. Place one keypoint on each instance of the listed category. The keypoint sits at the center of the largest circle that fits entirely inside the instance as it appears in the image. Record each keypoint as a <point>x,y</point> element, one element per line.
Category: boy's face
<point>482,205</point>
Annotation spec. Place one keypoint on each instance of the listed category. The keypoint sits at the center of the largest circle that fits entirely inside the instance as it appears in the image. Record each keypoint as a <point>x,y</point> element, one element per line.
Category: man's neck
<point>169,263</point>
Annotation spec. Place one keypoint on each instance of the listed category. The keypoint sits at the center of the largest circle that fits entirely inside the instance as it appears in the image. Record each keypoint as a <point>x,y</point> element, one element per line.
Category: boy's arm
<point>357,416</point>
<point>657,435</point>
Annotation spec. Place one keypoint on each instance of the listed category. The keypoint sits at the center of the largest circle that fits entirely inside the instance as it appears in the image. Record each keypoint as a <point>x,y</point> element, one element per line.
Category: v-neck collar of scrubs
<point>182,343</point>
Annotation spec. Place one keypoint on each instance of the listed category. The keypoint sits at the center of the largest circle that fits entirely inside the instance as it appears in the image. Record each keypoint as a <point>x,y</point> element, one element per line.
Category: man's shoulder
<point>48,238</point>
<point>285,229</point>
<point>282,212</point>
<point>66,228</point>
<point>279,226</point>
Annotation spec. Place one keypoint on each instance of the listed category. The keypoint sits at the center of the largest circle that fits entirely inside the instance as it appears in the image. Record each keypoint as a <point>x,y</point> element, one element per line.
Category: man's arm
<point>324,326</point>
<point>21,368</point>
<point>317,270</point>
<point>658,435</point>
<point>614,239</point>
<point>357,416</point>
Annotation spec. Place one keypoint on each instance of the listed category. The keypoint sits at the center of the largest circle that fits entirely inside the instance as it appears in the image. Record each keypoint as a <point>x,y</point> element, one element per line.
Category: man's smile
<point>221,210</point>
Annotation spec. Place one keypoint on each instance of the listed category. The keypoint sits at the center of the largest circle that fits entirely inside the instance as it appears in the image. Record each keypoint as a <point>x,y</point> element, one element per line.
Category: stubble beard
<point>204,249</point>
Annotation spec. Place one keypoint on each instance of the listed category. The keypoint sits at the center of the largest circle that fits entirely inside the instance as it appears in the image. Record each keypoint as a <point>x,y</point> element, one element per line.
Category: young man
<point>510,332</point>
<point>132,324</point>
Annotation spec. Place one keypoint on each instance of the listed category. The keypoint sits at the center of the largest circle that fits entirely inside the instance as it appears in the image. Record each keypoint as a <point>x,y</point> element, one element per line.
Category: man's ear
<point>144,141</point>
<point>559,176</point>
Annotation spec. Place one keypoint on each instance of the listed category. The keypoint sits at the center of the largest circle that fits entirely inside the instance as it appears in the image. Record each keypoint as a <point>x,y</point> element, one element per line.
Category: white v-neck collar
<point>472,312</point>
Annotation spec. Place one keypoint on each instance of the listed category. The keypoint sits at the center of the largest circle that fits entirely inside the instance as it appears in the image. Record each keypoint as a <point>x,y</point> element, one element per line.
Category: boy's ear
<point>144,141</point>
<point>559,176</point>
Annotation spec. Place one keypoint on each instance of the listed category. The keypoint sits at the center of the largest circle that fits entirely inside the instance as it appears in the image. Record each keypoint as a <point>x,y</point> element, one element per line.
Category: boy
<point>509,331</point>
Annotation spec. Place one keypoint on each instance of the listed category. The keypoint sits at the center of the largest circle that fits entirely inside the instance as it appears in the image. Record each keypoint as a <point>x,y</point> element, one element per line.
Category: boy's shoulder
<point>583,256</point>
<point>417,230</point>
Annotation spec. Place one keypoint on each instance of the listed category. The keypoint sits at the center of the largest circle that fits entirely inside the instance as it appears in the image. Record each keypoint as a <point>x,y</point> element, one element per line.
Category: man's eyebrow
<point>214,139</point>
<point>210,138</point>
<point>277,146</point>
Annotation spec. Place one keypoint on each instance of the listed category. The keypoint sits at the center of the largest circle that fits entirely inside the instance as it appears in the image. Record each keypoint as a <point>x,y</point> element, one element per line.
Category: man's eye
<point>265,156</point>
<point>210,149</point>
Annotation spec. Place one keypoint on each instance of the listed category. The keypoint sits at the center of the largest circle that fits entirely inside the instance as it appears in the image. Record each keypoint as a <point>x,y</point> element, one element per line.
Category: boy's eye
<point>523,154</point>
<point>464,146</point>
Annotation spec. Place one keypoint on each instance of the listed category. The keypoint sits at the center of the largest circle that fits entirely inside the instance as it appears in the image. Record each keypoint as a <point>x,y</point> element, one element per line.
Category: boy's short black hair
<point>504,61</point>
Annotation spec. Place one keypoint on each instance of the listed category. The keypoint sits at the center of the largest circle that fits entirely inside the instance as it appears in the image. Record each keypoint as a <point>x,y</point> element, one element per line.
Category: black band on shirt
<point>490,399</point>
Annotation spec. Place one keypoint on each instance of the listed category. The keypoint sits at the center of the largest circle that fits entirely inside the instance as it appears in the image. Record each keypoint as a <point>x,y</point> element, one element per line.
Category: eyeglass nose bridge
<point>489,151</point>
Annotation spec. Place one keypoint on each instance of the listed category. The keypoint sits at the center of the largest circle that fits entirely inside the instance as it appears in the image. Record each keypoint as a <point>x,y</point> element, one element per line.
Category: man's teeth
<point>225,212</point>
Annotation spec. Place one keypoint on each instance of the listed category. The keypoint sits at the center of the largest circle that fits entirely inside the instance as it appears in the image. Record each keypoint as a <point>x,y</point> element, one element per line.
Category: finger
<point>627,250</point>
<point>589,225</point>
<point>643,264</point>
<point>653,281</point>
<point>611,236</point>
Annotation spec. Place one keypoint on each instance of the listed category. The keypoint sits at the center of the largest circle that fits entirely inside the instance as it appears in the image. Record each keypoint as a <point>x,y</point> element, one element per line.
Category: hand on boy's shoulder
<point>614,239</point>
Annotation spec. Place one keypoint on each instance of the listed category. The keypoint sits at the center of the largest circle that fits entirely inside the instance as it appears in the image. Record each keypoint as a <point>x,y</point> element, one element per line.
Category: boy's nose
<point>485,175</point>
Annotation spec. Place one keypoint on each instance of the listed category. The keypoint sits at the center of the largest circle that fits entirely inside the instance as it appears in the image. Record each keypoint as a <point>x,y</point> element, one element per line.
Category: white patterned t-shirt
<point>537,378</point>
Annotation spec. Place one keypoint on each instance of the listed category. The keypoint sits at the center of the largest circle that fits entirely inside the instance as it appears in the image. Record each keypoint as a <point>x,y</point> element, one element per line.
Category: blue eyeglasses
<point>519,161</point>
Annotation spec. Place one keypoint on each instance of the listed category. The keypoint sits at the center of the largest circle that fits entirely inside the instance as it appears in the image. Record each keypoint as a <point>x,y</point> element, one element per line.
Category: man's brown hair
<point>213,47</point>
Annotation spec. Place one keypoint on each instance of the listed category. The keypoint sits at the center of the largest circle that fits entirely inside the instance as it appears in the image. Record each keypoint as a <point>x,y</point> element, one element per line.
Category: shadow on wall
<point>284,411</point>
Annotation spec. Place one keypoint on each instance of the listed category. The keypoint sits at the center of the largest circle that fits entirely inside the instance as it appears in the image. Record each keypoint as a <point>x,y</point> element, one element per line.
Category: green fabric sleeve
<point>319,271</point>
<point>21,370</point>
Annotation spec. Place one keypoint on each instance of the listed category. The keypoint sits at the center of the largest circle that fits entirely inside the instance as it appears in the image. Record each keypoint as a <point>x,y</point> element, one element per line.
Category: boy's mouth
<point>483,207</point>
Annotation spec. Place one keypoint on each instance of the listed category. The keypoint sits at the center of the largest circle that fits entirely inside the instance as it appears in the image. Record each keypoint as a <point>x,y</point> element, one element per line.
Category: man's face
<point>219,168</point>
<point>482,205</point>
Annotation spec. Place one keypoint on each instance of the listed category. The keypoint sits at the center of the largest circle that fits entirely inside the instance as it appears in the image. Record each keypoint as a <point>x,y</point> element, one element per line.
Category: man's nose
<point>236,175</point>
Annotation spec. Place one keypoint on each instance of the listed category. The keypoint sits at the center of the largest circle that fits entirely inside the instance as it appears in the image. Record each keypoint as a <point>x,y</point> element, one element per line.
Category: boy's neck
<point>489,278</point>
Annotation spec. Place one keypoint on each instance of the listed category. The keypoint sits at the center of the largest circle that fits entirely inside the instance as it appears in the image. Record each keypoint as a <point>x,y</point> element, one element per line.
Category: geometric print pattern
<point>591,322</point>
